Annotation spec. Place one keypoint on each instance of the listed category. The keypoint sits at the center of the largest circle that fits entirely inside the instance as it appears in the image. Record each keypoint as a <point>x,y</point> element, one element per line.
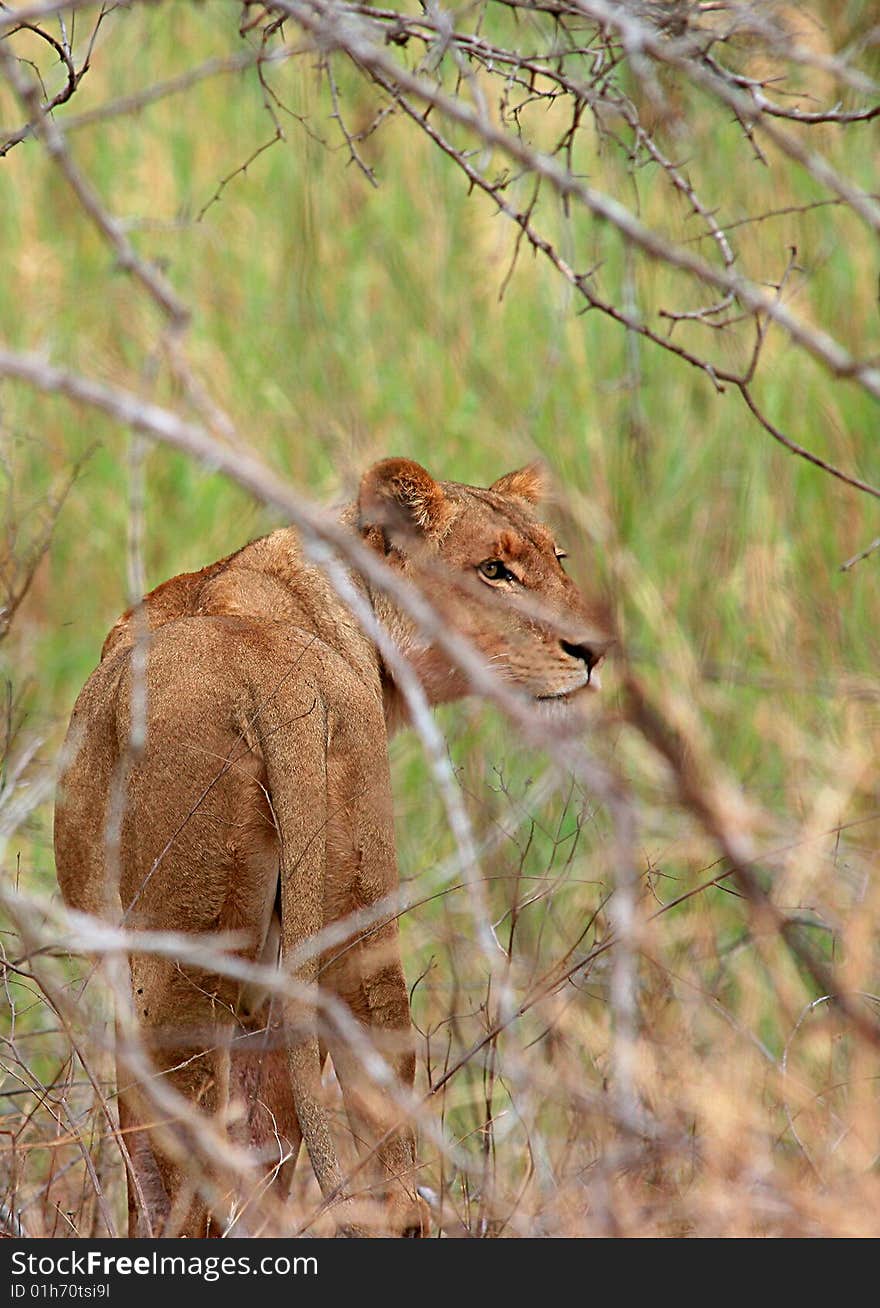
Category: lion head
<point>494,574</point>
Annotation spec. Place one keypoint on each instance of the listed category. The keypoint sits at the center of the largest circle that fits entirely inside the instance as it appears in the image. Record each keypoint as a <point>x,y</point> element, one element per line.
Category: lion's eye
<point>494,570</point>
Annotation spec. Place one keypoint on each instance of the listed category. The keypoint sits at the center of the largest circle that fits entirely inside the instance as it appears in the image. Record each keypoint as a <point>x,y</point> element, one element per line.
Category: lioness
<point>261,792</point>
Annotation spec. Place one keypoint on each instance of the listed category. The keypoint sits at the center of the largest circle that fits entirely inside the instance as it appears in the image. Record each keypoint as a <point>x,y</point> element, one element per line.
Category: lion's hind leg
<point>292,732</point>
<point>368,973</point>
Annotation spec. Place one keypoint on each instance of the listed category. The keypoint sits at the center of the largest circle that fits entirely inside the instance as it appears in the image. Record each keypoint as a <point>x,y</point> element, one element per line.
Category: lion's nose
<point>586,653</point>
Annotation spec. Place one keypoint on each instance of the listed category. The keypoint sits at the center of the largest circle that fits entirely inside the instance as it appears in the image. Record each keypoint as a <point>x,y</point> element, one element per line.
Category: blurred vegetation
<point>337,323</point>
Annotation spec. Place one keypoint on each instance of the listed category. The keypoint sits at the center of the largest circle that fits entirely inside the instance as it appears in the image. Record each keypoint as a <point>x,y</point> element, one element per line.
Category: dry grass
<point>738,727</point>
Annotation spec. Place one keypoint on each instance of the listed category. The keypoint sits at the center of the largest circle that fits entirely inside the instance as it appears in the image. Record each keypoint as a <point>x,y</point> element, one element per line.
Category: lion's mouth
<point>592,683</point>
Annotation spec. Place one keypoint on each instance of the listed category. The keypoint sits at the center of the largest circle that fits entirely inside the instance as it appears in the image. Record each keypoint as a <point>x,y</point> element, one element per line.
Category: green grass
<point>337,324</point>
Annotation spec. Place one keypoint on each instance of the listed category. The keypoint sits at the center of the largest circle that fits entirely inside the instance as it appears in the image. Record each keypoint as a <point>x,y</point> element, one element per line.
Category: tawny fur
<point>262,792</point>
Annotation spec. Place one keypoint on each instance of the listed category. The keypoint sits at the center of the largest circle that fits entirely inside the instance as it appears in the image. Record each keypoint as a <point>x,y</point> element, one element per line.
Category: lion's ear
<point>398,496</point>
<point>529,483</point>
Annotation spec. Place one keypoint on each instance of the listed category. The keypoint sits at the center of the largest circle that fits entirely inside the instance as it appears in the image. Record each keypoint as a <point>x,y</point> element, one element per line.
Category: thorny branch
<point>479,84</point>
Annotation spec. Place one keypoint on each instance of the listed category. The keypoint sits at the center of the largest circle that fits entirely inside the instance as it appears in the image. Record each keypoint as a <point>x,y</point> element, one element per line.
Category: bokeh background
<point>336,323</point>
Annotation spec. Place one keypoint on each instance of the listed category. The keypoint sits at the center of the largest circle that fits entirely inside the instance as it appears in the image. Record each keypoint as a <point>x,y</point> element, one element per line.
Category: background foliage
<point>336,322</point>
